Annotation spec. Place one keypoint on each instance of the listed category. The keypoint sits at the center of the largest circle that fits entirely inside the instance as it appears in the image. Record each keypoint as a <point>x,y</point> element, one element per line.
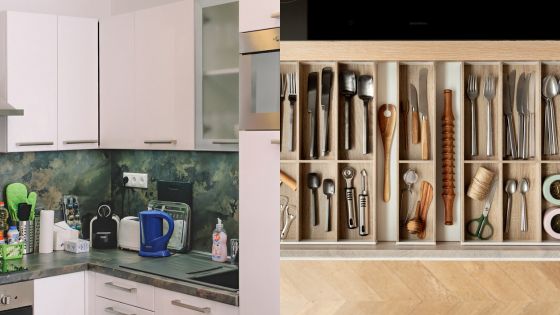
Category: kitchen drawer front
<point>173,303</point>
<point>105,306</point>
<point>125,291</point>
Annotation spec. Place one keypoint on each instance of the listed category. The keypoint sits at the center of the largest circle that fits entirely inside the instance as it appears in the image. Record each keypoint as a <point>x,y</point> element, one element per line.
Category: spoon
<point>387,119</point>
<point>524,188</point>
<point>313,182</point>
<point>328,190</point>
<point>511,187</point>
<point>550,90</point>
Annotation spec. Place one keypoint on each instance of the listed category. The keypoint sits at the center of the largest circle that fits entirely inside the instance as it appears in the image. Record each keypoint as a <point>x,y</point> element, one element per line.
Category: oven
<point>259,80</point>
<point>16,298</point>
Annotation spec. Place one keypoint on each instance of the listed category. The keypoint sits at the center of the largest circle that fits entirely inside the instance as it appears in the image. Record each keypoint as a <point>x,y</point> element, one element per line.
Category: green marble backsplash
<point>95,175</point>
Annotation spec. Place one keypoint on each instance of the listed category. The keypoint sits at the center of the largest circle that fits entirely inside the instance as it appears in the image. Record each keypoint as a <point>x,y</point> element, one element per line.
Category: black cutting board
<point>179,267</point>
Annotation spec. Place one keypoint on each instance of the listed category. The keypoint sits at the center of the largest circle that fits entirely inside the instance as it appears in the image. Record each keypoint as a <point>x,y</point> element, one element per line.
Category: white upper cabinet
<point>28,74</point>
<point>77,83</point>
<point>258,14</point>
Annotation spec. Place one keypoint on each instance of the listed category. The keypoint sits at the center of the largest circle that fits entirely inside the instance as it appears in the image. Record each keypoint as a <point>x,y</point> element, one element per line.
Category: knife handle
<point>511,136</point>
<point>415,127</point>
<point>363,214</point>
<point>325,129</point>
<point>364,130</point>
<point>346,123</point>
<point>425,139</point>
<point>312,142</point>
<point>350,207</point>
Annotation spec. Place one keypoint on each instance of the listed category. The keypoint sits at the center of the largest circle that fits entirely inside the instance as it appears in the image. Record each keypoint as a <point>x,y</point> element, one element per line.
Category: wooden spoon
<point>387,118</point>
<point>429,195</point>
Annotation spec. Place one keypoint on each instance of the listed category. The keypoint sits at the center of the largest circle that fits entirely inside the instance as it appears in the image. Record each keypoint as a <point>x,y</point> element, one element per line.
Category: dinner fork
<point>283,86</point>
<point>489,93</point>
<point>292,97</point>
<point>472,93</point>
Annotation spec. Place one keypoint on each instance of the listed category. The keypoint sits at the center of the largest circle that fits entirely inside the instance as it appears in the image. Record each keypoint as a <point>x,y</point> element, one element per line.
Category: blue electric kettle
<point>152,241</point>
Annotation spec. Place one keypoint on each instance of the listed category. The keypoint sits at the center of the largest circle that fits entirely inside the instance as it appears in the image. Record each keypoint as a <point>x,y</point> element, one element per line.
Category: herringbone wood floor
<point>419,287</point>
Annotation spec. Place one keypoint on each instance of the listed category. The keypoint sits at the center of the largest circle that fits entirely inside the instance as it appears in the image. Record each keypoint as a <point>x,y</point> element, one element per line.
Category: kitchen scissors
<point>481,227</point>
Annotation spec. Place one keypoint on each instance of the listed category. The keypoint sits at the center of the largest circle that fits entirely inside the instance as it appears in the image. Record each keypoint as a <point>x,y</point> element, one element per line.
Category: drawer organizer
<point>536,168</point>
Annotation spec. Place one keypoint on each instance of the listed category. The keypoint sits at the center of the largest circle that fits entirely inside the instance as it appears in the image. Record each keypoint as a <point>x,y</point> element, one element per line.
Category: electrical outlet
<point>136,180</point>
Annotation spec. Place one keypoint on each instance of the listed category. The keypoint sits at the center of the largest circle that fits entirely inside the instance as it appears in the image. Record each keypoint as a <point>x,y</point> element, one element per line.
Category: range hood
<point>7,110</point>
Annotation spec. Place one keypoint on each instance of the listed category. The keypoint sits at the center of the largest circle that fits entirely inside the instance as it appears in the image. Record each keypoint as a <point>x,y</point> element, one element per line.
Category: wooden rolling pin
<point>448,156</point>
<point>288,181</point>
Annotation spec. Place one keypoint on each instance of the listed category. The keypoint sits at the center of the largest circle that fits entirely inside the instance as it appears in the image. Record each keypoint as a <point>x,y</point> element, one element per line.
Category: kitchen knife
<point>311,108</point>
<point>413,99</point>
<point>520,100</point>
<point>509,87</point>
<point>423,108</point>
<point>326,85</point>
<point>527,114</point>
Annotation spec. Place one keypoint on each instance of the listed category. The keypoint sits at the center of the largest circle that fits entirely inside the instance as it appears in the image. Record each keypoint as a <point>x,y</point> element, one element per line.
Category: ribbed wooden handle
<point>448,156</point>
<point>415,128</point>
<point>288,180</point>
<point>448,201</point>
<point>425,139</point>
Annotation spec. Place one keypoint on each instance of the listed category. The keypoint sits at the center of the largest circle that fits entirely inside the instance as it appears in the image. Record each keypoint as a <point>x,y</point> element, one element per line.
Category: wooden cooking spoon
<point>387,118</point>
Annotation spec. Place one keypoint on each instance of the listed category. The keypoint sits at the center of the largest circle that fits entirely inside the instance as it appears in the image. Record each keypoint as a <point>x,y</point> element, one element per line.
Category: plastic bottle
<point>3,217</point>
<point>13,235</point>
<point>2,241</point>
<point>219,243</point>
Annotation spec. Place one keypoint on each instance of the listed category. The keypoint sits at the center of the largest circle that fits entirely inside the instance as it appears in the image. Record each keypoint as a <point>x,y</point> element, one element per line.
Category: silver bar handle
<point>160,141</point>
<point>118,287</point>
<point>204,310</point>
<point>111,310</point>
<point>275,141</point>
<point>225,141</point>
<point>79,141</point>
<point>29,144</point>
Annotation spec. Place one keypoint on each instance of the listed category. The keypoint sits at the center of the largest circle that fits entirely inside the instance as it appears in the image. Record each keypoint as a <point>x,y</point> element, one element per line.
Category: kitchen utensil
<point>289,217</point>
<point>153,238</point>
<point>365,92</point>
<point>489,93</point>
<point>524,188</point>
<point>283,87</point>
<point>472,93</point>
<point>387,118</point>
<point>363,216</point>
<point>129,233</point>
<point>550,89</point>
<point>424,113</point>
<point>448,156</point>
<point>413,99</point>
<point>511,187</point>
<point>509,94</point>
<point>326,84</point>
<point>24,211</point>
<point>481,228</point>
<point>292,97</point>
<point>104,228</point>
<point>311,110</point>
<point>348,90</point>
<point>417,225</point>
<point>531,114</point>
<point>520,102</point>
<point>348,174</point>
<point>234,250</point>
<point>410,178</point>
<point>328,190</point>
<point>26,230</point>
<point>480,184</point>
<point>313,182</point>
<point>16,193</point>
<point>288,180</point>
<point>404,109</point>
<point>526,118</point>
<point>181,213</point>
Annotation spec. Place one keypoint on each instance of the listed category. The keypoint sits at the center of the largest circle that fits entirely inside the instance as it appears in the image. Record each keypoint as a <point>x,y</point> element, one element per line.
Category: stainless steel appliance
<point>16,298</point>
<point>259,80</point>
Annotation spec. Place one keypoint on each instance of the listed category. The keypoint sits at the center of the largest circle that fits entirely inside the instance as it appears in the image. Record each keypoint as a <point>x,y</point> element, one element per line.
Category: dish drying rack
<point>180,240</point>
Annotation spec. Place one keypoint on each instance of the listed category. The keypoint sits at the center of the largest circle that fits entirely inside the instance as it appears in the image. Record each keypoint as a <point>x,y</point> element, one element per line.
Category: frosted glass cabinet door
<point>217,75</point>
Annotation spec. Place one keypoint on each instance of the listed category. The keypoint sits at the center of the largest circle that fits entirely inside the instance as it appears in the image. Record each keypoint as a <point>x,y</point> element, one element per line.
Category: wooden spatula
<point>387,118</point>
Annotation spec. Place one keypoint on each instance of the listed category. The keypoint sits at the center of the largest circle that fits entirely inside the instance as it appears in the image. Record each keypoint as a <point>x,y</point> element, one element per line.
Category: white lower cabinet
<point>174,303</point>
<point>68,290</point>
<point>125,291</point>
<point>105,306</point>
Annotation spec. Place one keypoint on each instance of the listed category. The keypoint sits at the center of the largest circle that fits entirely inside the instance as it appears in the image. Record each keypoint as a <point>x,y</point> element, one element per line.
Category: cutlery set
<point>360,220</point>
<point>550,88</point>
<point>418,104</point>
<point>313,183</point>
<point>489,93</point>
<point>414,215</point>
<point>510,189</point>
<point>522,147</point>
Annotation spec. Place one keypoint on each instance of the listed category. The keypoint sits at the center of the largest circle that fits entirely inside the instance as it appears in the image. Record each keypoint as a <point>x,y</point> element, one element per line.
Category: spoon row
<point>511,188</point>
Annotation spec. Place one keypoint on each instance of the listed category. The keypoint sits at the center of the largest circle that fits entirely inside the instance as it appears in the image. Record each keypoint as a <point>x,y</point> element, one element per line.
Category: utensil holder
<point>27,236</point>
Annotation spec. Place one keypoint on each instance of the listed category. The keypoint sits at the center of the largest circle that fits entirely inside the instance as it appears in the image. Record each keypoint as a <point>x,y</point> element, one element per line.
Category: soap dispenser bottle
<point>219,243</point>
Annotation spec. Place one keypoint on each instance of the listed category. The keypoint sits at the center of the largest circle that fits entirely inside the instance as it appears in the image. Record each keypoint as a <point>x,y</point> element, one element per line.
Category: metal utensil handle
<point>232,141</point>
<point>350,207</point>
<point>346,123</point>
<point>79,141</point>
<point>204,310</point>
<point>363,215</point>
<point>521,139</point>
<point>524,224</point>
<point>511,136</point>
<point>531,135</point>
<point>160,141</point>
<point>325,129</point>
<point>364,130</point>
<point>546,136</point>
<point>312,141</point>
<point>111,310</point>
<point>291,128</point>
<point>508,213</point>
<point>29,144</point>
<point>314,206</point>
<point>286,228</point>
<point>118,287</point>
<point>474,130</point>
<point>328,218</point>
<point>526,119</point>
<point>553,135</point>
<point>489,131</point>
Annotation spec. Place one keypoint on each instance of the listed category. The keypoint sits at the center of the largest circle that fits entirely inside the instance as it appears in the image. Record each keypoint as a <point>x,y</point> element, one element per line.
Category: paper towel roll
<point>46,232</point>
<point>547,222</point>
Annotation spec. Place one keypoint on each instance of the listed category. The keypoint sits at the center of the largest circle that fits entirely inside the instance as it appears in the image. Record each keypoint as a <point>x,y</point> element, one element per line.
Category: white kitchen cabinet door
<point>60,295</point>
<point>164,76</point>
<point>29,72</point>
<point>257,15</point>
<point>116,68</point>
<point>77,83</point>
<point>174,303</point>
<point>105,306</point>
<point>259,244</point>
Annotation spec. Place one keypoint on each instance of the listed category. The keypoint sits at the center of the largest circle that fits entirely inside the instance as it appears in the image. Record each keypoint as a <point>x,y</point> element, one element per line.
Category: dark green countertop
<point>108,262</point>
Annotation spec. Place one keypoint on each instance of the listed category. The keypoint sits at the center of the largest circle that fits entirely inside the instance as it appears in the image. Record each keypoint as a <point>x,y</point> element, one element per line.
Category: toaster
<point>129,233</point>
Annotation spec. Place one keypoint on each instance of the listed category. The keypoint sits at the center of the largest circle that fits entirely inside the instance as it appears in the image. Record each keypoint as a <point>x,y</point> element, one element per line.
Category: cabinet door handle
<point>118,287</point>
<point>225,141</point>
<point>79,141</point>
<point>160,141</point>
<point>275,141</point>
<point>275,15</point>
<point>111,310</point>
<point>204,310</point>
<point>29,144</point>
